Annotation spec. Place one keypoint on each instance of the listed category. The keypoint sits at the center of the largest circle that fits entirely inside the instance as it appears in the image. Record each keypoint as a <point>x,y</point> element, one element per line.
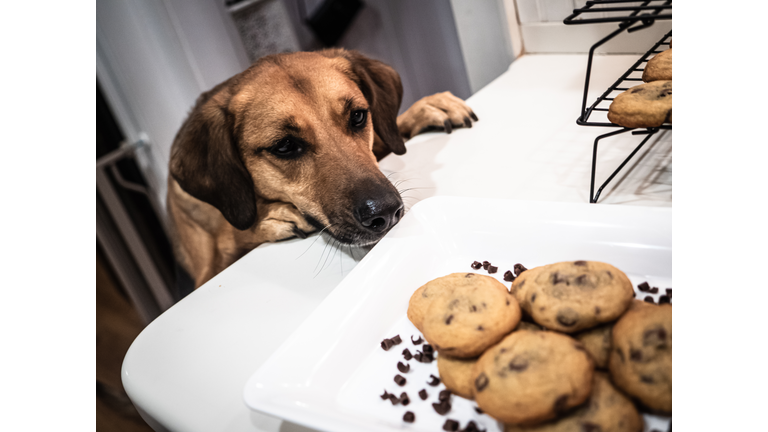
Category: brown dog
<point>289,147</point>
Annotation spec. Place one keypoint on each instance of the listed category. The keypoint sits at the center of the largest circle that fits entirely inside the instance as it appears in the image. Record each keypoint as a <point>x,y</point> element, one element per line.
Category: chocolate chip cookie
<point>641,358</point>
<point>422,297</point>
<point>573,295</point>
<point>645,105</point>
<point>606,410</point>
<point>597,342</point>
<point>456,374</point>
<point>659,67</point>
<point>532,376</point>
<point>473,316</point>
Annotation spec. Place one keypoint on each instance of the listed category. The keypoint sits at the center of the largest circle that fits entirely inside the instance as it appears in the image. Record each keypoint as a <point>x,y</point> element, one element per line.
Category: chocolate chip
<point>478,410</point>
<point>423,394</point>
<point>580,279</point>
<point>567,317</point>
<point>486,264</point>
<point>519,268</point>
<point>476,265</point>
<point>649,299</point>
<point>442,408</point>
<point>451,425</point>
<point>469,275</point>
<point>386,344</point>
<point>665,300</point>
<point>394,399</point>
<point>597,310</point>
<point>590,427</point>
<point>635,355</point>
<point>580,263</point>
<point>403,368</point>
<point>418,356</point>
<point>417,341</point>
<point>385,396</point>
<point>449,319</point>
<point>428,350</point>
<point>509,276</point>
<point>404,399</point>
<point>444,395</point>
<point>654,290</point>
<point>561,404</point>
<point>644,287</point>
<point>556,279</point>
<point>533,298</point>
<point>492,269</point>
<point>399,380</point>
<point>480,328</point>
<point>407,354</point>
<point>471,427</point>
<point>481,382</point>
<point>474,308</point>
<point>669,292</point>
<point>433,380</point>
<point>409,417</point>
<point>647,379</point>
<point>396,339</point>
<point>518,364</point>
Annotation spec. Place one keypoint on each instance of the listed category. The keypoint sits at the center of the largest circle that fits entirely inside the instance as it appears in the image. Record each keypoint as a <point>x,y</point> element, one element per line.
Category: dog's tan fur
<point>228,192</point>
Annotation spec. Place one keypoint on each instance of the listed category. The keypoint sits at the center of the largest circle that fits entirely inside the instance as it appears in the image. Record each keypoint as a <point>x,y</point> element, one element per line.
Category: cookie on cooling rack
<point>645,105</point>
<point>659,67</point>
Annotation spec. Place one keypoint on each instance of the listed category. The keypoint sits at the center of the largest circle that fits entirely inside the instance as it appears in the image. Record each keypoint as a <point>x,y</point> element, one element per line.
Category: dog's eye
<point>357,119</point>
<point>287,148</point>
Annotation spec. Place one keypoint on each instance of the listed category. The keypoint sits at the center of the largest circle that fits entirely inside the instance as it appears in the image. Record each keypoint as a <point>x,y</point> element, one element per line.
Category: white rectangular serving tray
<point>328,375</point>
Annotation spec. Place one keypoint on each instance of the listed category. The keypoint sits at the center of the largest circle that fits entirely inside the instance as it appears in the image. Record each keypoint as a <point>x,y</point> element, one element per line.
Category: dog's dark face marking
<point>301,130</point>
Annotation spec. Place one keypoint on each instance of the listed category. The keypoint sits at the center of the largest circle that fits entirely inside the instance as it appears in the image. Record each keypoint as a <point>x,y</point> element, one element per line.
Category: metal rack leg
<point>592,196</point>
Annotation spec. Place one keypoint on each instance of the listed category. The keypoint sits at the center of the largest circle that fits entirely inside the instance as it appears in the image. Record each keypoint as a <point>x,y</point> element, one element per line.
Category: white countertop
<point>187,369</point>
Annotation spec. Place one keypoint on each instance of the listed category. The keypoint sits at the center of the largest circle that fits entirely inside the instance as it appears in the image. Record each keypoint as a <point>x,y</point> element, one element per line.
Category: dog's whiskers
<point>313,242</point>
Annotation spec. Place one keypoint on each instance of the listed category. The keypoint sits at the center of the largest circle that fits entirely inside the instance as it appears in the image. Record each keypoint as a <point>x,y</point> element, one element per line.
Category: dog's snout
<point>379,215</point>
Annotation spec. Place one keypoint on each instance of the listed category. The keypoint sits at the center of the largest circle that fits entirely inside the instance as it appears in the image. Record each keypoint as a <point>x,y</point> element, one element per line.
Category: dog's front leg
<point>441,111</point>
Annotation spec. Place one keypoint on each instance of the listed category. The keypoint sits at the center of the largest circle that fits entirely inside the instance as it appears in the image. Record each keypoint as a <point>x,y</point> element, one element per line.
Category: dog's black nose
<point>380,215</point>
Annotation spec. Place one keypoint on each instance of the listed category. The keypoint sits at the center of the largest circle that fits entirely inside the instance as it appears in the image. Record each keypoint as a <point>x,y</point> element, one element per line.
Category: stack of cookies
<point>528,356</point>
<point>649,104</point>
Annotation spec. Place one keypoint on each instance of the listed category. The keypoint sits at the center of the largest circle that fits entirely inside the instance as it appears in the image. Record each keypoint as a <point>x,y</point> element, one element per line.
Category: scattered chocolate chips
<point>509,276</point>
<point>654,290</point>
<point>397,340</point>
<point>665,299</point>
<point>580,263</point>
<point>407,354</point>
<point>471,427</point>
<point>428,350</point>
<point>394,399</point>
<point>635,355</point>
<point>486,264</point>
<point>451,425</point>
<point>387,344</point>
<point>444,395</point>
<point>385,396</point>
<point>669,292</point>
<point>423,394</point>
<point>647,379</point>
<point>442,408</point>
<point>409,417</point>
<point>518,364</point>
<point>478,410</point>
<point>476,265</point>
<point>567,317</point>
<point>561,404</point>
<point>404,399</point>
<point>399,380</point>
<point>492,269</point>
<point>403,367</point>
<point>417,341</point>
<point>433,380</point>
<point>448,320</point>
<point>649,299</point>
<point>519,268</point>
<point>644,287</point>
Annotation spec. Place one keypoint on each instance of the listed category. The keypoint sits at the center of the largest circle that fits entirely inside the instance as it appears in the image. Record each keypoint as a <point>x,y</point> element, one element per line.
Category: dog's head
<point>297,128</point>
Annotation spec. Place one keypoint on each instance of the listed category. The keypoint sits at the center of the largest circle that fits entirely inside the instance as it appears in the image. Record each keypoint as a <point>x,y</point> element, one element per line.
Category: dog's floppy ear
<point>382,89</point>
<point>206,162</point>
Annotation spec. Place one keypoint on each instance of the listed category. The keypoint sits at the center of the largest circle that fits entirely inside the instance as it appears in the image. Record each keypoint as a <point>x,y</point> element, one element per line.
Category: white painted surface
<point>188,368</point>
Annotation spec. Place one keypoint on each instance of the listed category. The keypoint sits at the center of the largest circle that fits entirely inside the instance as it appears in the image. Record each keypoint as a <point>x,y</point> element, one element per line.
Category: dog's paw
<point>441,111</point>
<point>283,221</point>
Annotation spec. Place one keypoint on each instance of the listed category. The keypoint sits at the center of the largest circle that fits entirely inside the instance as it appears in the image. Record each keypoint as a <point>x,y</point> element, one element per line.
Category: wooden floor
<point>117,325</point>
